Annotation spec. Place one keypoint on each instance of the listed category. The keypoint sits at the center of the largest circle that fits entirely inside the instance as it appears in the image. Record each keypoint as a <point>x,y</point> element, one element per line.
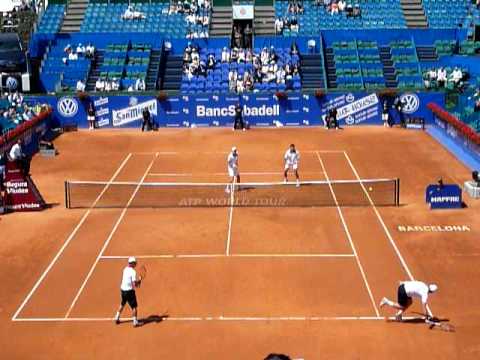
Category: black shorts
<point>130,298</point>
<point>402,298</point>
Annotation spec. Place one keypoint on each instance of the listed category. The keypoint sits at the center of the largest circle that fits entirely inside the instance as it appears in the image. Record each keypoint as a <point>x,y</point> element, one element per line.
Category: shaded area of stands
<point>377,14</point>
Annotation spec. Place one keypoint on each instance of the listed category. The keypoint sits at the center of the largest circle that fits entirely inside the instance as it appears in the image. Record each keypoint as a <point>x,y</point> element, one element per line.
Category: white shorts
<point>385,117</point>
<point>233,171</point>
<point>291,166</point>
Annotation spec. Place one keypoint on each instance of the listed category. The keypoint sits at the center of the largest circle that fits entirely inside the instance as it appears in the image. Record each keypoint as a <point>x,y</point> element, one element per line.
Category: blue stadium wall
<point>358,108</point>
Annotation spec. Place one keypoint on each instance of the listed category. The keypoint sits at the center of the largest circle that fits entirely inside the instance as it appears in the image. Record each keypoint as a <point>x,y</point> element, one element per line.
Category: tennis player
<point>291,157</point>
<point>232,167</point>
<point>405,292</point>
<point>127,289</point>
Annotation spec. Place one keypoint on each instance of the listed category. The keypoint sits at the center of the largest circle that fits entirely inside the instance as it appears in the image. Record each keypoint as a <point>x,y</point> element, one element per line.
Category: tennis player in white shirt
<point>291,157</point>
<point>232,167</point>
<point>405,292</point>
<point>127,289</point>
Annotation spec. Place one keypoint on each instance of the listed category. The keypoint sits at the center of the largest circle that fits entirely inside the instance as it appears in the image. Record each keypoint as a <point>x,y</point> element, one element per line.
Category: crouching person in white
<point>405,292</point>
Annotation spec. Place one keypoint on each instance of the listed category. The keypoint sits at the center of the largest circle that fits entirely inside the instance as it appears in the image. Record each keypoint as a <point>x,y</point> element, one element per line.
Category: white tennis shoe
<point>383,302</point>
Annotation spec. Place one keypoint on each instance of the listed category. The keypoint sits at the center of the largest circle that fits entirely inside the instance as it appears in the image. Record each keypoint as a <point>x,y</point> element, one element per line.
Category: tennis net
<point>97,194</point>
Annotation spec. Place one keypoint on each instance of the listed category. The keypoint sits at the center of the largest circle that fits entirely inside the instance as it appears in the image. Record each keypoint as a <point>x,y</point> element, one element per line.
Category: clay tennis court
<point>239,282</point>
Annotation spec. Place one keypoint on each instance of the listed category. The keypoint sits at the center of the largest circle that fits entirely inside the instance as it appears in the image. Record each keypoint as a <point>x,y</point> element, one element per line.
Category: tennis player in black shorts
<point>405,292</point>
<point>127,290</point>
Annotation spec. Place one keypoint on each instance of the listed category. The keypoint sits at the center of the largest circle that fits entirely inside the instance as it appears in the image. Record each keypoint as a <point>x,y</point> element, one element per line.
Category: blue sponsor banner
<point>444,197</point>
<point>213,110</point>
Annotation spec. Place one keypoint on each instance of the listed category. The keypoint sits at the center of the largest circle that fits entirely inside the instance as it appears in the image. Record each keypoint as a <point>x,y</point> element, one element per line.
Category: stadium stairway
<point>264,20</point>
<point>388,67</point>
<point>153,70</point>
<point>414,13</point>
<point>427,53</point>
<point>221,22</point>
<point>312,71</point>
<point>95,70</point>
<point>74,16</point>
<point>331,69</point>
<point>171,72</point>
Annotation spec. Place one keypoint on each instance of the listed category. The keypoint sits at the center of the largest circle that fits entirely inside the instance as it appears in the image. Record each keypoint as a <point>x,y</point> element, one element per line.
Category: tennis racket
<point>142,274</point>
<point>435,323</point>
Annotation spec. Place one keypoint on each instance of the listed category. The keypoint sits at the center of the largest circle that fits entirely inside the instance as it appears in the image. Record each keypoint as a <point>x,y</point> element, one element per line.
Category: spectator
<point>81,49</point>
<point>357,12</point>
<point>341,5</point>
<point>16,154</point>
<point>100,84</point>
<point>456,76</point>
<point>334,8</point>
<point>80,85</point>
<point>131,14</point>
<point>28,113</point>
<point>237,37</point>
<point>247,37</point>
<point>278,26</point>
<point>15,99</point>
<point>140,84</point>
<point>90,51</point>
<point>3,160</point>
<point>441,77</point>
<point>225,55</point>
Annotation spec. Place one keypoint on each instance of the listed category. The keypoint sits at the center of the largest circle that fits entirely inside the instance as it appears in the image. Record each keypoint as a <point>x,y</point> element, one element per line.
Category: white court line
<point>70,237</point>
<point>230,218</point>
<point>226,152</point>
<point>213,256</point>
<point>225,174</point>
<point>380,219</point>
<point>223,318</point>
<point>110,236</point>
<point>347,232</point>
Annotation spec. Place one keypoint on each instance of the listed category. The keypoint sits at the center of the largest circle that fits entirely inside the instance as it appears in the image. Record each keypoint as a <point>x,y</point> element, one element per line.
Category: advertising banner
<point>259,109</point>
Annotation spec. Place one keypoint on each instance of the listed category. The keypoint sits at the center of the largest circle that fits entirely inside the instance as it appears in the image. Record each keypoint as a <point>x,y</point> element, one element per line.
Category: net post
<point>397,192</point>
<point>67,198</point>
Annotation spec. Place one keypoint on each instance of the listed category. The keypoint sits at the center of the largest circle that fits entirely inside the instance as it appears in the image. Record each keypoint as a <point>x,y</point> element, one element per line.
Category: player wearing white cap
<point>232,167</point>
<point>405,292</point>
<point>127,289</point>
<point>291,157</point>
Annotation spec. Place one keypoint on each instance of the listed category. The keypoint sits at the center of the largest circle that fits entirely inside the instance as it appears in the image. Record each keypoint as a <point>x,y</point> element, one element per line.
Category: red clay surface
<point>282,262</point>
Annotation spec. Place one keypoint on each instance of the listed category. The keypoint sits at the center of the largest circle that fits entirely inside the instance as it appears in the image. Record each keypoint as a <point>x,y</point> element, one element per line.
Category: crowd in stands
<point>197,16</point>
<point>295,8</point>
<point>81,51</point>
<point>14,111</point>
<point>441,78</point>
<point>264,67</point>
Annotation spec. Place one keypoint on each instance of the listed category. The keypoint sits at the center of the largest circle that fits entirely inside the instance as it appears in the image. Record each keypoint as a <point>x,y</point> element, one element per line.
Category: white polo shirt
<point>291,158</point>
<point>16,152</point>
<point>417,289</point>
<point>128,278</point>
<point>232,161</point>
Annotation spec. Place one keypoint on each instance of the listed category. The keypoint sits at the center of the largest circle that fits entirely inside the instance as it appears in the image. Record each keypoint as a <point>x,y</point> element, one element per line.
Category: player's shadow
<point>420,320</point>
<point>152,319</point>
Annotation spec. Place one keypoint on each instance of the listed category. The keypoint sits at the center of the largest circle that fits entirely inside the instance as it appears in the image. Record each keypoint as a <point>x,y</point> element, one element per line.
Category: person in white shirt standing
<point>232,167</point>
<point>130,281</point>
<point>292,158</point>
<point>406,291</point>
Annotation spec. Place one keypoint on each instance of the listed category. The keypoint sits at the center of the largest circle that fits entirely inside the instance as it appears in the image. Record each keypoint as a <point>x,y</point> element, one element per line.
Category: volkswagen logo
<point>350,120</point>
<point>410,102</point>
<point>67,106</point>
<point>349,98</point>
<point>11,83</point>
